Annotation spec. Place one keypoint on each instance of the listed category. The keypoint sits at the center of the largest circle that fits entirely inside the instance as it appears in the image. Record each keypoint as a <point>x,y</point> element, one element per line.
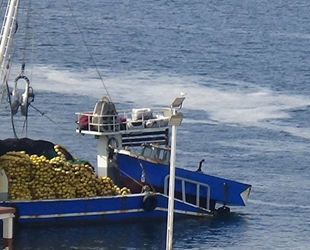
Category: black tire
<point>149,203</point>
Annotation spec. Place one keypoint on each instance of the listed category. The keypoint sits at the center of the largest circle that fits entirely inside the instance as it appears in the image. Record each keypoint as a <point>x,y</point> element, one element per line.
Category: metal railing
<point>185,181</point>
<point>123,121</point>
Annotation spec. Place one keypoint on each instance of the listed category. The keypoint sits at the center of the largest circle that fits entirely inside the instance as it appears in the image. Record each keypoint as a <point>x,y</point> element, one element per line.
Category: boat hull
<point>107,208</point>
<point>222,191</point>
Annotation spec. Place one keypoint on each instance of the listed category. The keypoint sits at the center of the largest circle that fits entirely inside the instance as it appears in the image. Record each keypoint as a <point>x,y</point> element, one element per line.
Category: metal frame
<point>198,185</point>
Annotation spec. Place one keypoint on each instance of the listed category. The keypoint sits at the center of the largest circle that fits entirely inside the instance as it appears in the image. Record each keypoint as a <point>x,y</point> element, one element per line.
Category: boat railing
<point>124,122</point>
<point>97,123</point>
<point>198,185</point>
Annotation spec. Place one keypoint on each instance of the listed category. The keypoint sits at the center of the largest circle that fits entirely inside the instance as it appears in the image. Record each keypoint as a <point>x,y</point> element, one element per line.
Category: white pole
<point>7,215</point>
<point>7,26</point>
<point>171,189</point>
<point>7,33</point>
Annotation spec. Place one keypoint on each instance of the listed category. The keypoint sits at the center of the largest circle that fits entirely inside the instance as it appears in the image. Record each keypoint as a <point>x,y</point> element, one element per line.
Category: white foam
<point>230,102</point>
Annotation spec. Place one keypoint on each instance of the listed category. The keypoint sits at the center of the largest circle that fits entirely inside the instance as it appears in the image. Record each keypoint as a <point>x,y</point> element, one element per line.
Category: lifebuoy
<point>149,202</point>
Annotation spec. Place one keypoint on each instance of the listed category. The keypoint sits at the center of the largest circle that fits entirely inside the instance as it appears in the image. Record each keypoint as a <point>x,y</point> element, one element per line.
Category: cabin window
<point>162,155</point>
<point>148,152</point>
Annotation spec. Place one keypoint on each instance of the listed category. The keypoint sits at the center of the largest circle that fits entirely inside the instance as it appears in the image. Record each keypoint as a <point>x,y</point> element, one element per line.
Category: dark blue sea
<point>245,69</point>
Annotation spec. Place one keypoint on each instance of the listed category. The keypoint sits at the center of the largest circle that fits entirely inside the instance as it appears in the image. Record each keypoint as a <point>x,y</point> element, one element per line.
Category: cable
<point>87,47</point>
<point>9,100</point>
<point>25,125</point>
<point>26,35</point>
<point>43,114</point>
<point>134,180</point>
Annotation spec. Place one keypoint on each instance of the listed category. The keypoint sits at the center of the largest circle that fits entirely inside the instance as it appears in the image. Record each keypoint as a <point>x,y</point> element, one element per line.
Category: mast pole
<point>7,34</point>
<point>7,27</point>
<point>171,190</point>
<point>175,120</point>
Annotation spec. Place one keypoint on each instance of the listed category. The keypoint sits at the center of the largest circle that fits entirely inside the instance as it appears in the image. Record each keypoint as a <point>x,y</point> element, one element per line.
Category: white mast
<point>7,33</point>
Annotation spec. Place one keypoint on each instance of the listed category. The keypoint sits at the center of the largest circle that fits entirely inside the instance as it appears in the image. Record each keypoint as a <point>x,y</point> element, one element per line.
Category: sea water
<point>244,66</point>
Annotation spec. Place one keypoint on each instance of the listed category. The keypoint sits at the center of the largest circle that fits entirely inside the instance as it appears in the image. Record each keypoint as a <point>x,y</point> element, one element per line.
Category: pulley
<point>24,100</point>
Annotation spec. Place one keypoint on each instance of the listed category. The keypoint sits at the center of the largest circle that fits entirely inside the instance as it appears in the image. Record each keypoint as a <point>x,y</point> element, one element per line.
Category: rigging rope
<point>9,100</point>
<point>134,180</point>
<point>87,47</point>
<point>26,34</point>
<point>21,75</point>
<point>25,125</point>
<point>43,114</point>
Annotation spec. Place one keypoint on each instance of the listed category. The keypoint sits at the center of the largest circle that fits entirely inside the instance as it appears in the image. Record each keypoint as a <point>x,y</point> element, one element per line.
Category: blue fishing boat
<point>145,174</point>
<point>119,136</point>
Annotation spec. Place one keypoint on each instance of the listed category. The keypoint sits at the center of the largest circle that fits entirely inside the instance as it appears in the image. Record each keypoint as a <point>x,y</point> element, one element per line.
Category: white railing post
<point>7,215</point>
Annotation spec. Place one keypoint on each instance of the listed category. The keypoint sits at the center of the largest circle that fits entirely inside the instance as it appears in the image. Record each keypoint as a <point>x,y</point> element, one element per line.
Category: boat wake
<point>228,102</point>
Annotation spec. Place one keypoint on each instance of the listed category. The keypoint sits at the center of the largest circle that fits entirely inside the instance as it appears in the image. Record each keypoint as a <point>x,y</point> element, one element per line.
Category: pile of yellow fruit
<point>36,177</point>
